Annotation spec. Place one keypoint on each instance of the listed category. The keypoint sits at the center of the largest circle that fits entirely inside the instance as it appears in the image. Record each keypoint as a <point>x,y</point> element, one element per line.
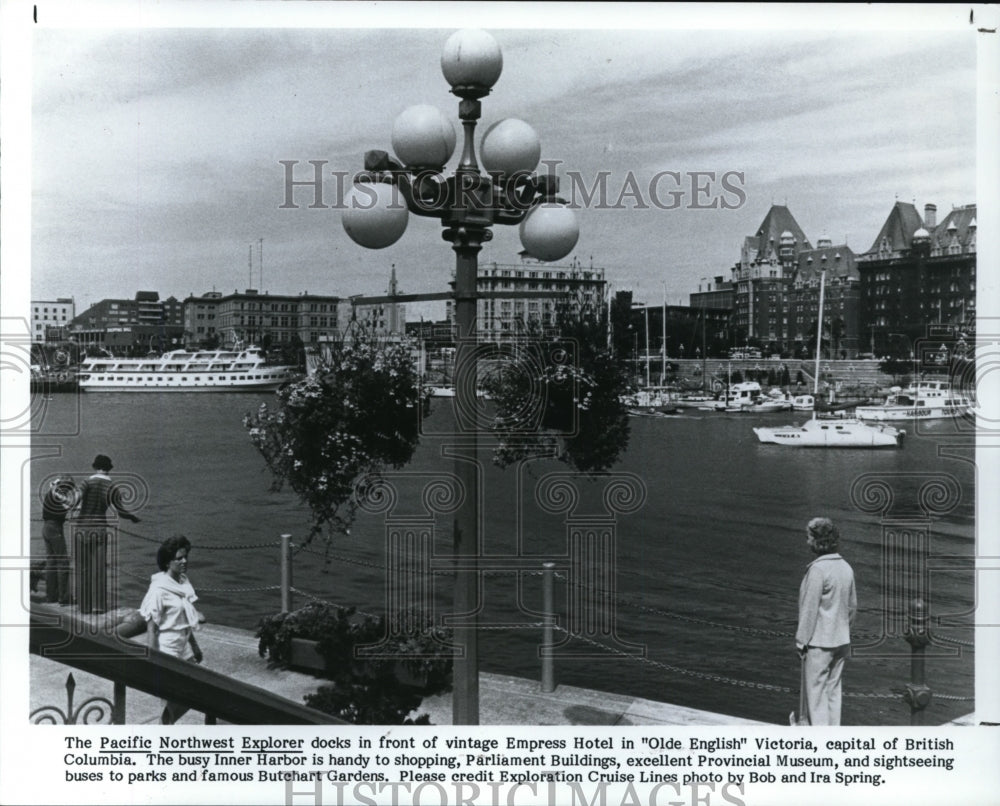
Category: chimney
<point>930,216</point>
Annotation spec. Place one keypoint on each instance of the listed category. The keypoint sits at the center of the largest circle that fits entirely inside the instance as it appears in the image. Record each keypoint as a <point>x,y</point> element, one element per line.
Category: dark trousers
<point>56,563</point>
<point>90,549</point>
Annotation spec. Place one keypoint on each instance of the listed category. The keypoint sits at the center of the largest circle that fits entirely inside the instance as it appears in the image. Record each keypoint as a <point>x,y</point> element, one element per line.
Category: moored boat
<point>832,433</point>
<point>651,402</point>
<point>803,403</point>
<point>736,397</point>
<point>769,403</point>
<point>185,371</point>
<point>47,381</point>
<point>927,400</point>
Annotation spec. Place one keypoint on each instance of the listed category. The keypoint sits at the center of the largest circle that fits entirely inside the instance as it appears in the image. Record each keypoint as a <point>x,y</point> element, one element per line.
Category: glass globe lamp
<point>422,137</point>
<point>549,231</point>
<point>471,58</point>
<point>510,146</point>
<point>374,217</point>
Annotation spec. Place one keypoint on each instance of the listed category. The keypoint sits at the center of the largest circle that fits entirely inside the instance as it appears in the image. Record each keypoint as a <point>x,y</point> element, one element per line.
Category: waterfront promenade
<point>504,699</point>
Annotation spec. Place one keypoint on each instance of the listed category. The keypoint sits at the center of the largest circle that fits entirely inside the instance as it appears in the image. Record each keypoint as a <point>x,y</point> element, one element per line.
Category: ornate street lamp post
<point>468,203</point>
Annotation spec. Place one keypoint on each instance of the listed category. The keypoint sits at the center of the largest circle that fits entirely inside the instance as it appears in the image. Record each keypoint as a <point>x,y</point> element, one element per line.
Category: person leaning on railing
<point>90,536</point>
<point>56,506</point>
<point>170,614</point>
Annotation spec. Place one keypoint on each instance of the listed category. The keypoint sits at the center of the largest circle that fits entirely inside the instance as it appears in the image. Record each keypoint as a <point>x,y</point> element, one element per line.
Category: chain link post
<point>286,573</point>
<point>916,633</point>
<point>549,617</point>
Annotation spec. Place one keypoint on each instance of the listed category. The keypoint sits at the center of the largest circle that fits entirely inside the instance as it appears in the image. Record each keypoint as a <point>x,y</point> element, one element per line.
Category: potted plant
<point>377,676</point>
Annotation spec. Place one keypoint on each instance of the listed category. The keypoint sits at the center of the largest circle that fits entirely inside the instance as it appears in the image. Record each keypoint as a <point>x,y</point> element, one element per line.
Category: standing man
<point>90,537</point>
<point>827,604</point>
<point>56,505</point>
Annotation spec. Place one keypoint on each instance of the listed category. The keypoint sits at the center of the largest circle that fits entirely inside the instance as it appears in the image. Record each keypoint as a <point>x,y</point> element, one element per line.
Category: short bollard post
<point>918,694</point>
<point>548,608</point>
<point>118,704</point>
<point>286,573</point>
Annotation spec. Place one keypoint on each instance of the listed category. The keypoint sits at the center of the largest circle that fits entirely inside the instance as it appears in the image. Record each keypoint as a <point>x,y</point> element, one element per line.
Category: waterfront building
<point>767,265</point>
<point>50,318</point>
<point>265,319</point>
<point>919,276</point>
<point>581,287</point>
<point>717,293</point>
<point>841,306</point>
<point>250,317</point>
<point>687,329</point>
<point>130,326</point>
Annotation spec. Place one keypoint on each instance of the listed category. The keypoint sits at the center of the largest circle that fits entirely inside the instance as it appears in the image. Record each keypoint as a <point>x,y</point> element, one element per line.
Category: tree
<point>621,324</point>
<point>896,367</point>
<point>562,396</point>
<point>356,415</point>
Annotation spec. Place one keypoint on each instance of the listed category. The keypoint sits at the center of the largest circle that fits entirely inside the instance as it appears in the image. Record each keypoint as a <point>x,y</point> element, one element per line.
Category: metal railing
<point>70,640</point>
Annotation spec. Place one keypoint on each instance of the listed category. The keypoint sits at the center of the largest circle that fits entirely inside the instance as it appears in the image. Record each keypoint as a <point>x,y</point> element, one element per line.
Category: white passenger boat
<point>737,397</point>
<point>185,371</point>
<point>927,400</point>
<point>832,433</point>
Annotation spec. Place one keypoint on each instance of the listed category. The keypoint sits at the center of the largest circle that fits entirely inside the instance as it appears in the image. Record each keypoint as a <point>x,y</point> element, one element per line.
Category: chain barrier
<point>958,641</point>
<point>205,546</point>
<point>531,625</point>
<point>732,681</point>
<point>706,676</point>
<point>313,598</point>
<point>756,631</point>
<point>709,676</point>
<point>202,588</point>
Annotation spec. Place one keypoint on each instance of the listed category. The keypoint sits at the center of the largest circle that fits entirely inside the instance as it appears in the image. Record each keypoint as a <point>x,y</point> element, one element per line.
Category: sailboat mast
<point>704,354</point>
<point>819,338</point>
<point>647,346</point>
<point>663,372</point>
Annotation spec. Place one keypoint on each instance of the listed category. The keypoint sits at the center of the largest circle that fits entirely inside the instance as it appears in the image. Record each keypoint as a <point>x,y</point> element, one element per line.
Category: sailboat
<point>839,433</point>
<point>652,401</point>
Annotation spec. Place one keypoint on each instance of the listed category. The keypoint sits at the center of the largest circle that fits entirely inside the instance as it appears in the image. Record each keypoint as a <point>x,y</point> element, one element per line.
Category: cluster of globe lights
<point>378,206</point>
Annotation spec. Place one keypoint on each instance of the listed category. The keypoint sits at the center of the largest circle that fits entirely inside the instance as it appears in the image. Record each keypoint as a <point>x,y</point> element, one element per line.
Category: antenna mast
<point>260,255</point>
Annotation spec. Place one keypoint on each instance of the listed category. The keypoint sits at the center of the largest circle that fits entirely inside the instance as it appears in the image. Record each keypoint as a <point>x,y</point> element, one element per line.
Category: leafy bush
<point>562,397</point>
<point>357,414</point>
<point>374,682</point>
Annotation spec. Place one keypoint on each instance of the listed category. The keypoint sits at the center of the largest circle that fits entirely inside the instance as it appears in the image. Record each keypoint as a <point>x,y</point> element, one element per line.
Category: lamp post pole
<point>468,203</point>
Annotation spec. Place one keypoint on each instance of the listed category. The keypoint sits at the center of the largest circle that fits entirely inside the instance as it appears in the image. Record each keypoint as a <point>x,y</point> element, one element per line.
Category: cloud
<point>156,151</point>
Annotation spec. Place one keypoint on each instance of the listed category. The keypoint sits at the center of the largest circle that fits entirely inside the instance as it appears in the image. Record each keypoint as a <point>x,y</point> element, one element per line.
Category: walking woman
<point>827,604</point>
<point>169,611</point>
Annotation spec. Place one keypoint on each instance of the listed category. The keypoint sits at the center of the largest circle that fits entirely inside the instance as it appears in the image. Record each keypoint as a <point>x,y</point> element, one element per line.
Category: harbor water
<point>703,578</point>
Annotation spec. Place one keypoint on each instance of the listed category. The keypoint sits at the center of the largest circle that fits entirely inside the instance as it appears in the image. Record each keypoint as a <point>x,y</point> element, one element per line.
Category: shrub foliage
<point>560,394</point>
<point>348,421</point>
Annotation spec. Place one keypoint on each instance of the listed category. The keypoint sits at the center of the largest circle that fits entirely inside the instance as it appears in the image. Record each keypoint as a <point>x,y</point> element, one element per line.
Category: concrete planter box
<point>305,657</point>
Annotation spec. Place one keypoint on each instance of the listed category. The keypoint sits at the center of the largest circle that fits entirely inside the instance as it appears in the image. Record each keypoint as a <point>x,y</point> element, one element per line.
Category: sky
<point>156,151</point>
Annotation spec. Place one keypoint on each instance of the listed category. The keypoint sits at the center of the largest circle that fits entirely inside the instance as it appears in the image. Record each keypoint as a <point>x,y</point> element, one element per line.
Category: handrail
<point>68,639</point>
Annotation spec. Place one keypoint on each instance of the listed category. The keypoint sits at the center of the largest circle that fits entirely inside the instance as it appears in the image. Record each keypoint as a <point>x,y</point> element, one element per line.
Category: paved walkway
<point>504,700</point>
